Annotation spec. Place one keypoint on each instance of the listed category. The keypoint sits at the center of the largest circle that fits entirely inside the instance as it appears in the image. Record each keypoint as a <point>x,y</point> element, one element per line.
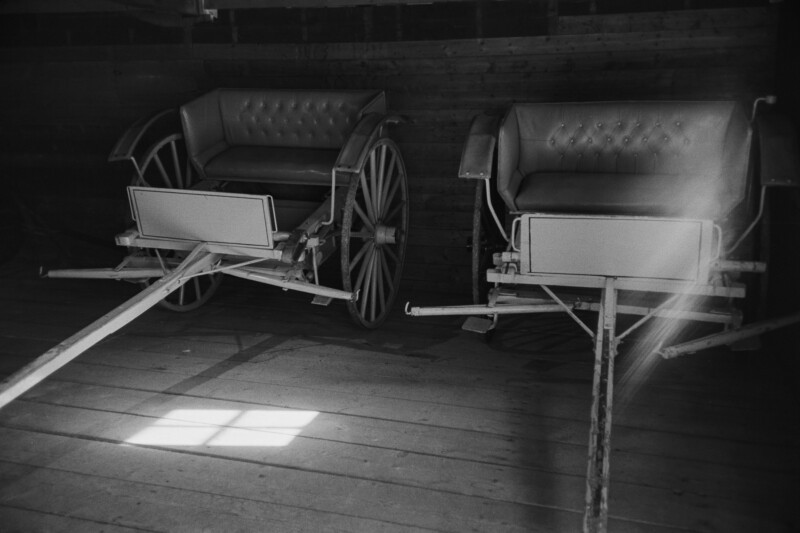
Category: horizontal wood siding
<point>64,106</point>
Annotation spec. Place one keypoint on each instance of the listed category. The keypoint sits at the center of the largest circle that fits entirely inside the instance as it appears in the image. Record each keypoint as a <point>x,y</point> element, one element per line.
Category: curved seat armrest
<point>129,142</point>
<point>778,145</point>
<point>478,153</point>
<point>353,154</point>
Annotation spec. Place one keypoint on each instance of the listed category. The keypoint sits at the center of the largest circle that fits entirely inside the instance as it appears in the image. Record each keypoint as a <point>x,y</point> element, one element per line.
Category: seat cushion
<point>617,194</point>
<point>307,166</point>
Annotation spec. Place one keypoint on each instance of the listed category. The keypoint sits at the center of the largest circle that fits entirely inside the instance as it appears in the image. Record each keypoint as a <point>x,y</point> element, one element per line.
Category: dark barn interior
<point>416,425</point>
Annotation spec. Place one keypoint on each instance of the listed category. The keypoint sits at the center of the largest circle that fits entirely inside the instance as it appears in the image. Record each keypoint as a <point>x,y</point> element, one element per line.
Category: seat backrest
<point>705,141</point>
<point>307,119</point>
<point>279,118</point>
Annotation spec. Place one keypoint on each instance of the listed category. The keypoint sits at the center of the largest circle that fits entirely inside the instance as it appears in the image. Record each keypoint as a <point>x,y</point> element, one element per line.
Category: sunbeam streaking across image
<point>643,355</point>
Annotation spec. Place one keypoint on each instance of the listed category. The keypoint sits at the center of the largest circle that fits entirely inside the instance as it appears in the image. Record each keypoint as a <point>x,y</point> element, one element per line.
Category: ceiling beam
<point>186,7</point>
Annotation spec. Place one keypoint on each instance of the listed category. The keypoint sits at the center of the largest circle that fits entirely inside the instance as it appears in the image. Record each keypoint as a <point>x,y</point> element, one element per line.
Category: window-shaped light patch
<point>225,427</point>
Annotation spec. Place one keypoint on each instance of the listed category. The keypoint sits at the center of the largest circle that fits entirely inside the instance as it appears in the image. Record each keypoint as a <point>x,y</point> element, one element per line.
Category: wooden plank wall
<point>63,106</point>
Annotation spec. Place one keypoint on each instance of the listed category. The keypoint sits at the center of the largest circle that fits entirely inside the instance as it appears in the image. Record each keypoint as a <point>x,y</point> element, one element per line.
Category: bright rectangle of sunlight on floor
<point>224,427</point>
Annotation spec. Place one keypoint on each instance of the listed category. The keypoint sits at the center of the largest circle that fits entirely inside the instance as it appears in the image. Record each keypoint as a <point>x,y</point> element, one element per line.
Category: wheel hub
<point>385,234</point>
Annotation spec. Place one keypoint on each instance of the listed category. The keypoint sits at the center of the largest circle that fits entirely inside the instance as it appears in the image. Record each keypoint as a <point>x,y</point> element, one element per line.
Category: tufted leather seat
<point>273,136</point>
<point>307,166</point>
<point>682,159</point>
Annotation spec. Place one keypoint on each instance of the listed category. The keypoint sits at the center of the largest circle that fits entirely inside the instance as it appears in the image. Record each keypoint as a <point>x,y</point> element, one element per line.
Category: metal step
<point>478,324</point>
<point>321,300</point>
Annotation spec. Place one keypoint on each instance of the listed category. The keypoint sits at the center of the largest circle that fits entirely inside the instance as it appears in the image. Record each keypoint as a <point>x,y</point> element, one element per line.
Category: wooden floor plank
<point>419,426</point>
<point>18,519</point>
<point>397,468</point>
<point>489,450</point>
<point>254,480</point>
<point>144,506</point>
<point>421,382</point>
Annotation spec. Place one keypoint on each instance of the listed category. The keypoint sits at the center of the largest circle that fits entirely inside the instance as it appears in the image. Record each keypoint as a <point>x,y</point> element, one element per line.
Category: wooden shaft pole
<point>61,354</point>
<point>595,518</point>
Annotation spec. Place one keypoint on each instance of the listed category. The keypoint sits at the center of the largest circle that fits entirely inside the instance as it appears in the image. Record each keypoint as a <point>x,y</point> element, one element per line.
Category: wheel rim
<point>374,234</point>
<point>166,165</point>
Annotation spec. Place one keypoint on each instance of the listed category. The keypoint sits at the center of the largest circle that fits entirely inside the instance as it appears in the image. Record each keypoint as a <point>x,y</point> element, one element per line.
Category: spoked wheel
<point>486,241</point>
<point>374,234</point>
<point>166,165</point>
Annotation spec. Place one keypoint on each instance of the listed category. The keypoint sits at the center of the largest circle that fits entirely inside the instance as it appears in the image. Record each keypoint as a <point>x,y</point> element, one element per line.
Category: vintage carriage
<point>265,185</point>
<point>647,209</point>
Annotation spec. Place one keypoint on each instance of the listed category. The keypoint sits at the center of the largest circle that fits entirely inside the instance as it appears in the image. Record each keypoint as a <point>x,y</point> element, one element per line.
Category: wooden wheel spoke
<point>373,177</point>
<point>391,185</point>
<point>381,181</point>
<point>364,218</point>
<point>181,294</point>
<point>392,193</point>
<point>367,294</point>
<point>162,171</point>
<point>367,197</point>
<point>373,293</point>
<point>363,270</point>
<point>386,272</point>
<point>394,212</point>
<point>391,254</point>
<point>176,164</point>
<point>380,269</point>
<point>364,249</point>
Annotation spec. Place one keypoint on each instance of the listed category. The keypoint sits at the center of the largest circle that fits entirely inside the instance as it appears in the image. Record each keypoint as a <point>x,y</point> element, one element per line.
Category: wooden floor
<point>260,412</point>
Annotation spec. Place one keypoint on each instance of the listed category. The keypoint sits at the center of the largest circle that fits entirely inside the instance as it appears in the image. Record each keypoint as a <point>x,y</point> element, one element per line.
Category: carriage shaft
<point>44,365</point>
<point>105,273</point>
<point>259,275</point>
